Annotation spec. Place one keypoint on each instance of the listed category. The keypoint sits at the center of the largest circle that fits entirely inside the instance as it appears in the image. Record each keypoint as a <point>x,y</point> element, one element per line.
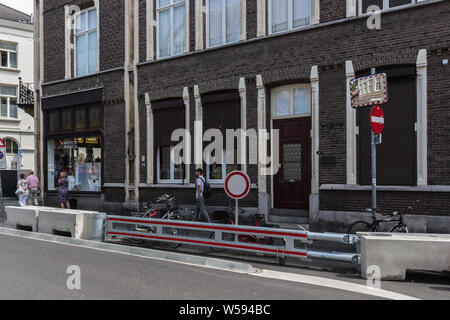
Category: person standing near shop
<point>63,190</point>
<point>22,190</point>
<point>35,187</point>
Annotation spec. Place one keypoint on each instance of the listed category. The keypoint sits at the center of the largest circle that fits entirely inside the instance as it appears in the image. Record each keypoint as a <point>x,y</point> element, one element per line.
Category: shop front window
<point>80,159</point>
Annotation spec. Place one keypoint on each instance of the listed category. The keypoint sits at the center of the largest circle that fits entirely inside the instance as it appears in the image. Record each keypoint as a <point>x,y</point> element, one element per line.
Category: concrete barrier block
<point>52,221</point>
<point>22,217</point>
<point>86,225</point>
<point>395,253</point>
<point>91,226</point>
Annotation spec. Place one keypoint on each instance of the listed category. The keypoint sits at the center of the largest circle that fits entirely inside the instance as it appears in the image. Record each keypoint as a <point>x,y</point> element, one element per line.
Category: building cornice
<point>16,25</point>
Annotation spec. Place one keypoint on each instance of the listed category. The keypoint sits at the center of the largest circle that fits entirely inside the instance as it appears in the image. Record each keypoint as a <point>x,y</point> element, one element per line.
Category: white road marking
<point>335,284</point>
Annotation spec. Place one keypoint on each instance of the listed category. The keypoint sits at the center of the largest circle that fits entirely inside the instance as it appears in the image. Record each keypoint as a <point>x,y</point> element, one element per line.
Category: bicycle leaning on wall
<point>395,217</point>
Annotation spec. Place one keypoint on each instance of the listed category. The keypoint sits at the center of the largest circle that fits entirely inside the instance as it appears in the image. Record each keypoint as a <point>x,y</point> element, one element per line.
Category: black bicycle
<point>396,217</point>
<point>171,212</point>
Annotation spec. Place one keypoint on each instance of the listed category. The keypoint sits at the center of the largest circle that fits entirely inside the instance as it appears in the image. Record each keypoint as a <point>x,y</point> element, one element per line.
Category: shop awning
<point>73,99</point>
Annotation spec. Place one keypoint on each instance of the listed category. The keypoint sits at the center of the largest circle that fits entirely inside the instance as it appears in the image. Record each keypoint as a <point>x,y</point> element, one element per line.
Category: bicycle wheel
<point>359,226</point>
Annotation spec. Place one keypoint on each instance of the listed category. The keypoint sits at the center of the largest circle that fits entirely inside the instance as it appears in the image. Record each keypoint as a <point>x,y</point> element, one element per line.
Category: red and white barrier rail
<point>279,242</point>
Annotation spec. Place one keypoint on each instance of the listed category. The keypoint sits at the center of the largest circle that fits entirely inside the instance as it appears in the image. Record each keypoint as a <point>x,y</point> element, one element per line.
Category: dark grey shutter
<point>396,156</point>
<point>221,111</point>
<point>168,116</point>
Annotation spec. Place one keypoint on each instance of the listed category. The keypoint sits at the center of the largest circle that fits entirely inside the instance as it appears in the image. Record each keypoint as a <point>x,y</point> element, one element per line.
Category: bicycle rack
<point>201,234</point>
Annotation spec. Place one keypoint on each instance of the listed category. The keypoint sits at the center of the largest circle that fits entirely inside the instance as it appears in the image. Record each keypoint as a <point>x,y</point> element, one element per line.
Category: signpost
<point>3,166</point>
<point>371,91</point>
<point>237,186</point>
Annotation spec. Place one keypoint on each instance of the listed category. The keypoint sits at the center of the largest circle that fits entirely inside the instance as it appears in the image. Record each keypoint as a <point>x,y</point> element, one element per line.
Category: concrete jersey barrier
<point>395,253</point>
<point>86,225</point>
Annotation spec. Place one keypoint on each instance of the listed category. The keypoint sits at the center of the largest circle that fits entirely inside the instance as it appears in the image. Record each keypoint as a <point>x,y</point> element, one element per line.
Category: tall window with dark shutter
<point>168,116</point>
<point>221,110</point>
<point>397,154</point>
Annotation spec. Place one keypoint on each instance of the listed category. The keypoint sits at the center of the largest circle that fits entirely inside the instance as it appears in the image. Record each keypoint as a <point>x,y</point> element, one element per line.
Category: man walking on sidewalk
<point>34,186</point>
<point>200,200</point>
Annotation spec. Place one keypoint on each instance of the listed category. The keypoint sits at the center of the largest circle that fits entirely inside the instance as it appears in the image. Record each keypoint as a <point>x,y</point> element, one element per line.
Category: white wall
<point>22,129</point>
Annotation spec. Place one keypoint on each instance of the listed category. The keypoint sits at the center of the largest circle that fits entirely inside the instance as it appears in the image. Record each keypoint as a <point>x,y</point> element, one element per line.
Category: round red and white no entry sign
<point>237,185</point>
<point>377,119</point>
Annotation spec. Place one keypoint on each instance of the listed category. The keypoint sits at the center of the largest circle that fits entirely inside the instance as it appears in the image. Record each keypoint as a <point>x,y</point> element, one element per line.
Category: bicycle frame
<point>375,224</point>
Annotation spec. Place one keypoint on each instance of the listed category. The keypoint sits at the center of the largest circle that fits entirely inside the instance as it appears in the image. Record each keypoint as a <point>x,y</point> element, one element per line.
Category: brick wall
<point>288,59</point>
<point>423,203</point>
<point>438,118</point>
<point>331,10</point>
<point>111,33</point>
<point>280,59</point>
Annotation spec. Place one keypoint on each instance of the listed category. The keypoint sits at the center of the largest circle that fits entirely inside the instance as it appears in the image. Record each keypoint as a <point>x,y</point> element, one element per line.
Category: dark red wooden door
<point>292,184</point>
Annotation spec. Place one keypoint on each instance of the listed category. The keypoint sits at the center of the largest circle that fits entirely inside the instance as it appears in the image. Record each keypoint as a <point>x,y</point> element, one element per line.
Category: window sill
<point>78,193</point>
<point>168,185</point>
<point>179,186</point>
<point>356,187</point>
<point>10,69</point>
<point>10,120</point>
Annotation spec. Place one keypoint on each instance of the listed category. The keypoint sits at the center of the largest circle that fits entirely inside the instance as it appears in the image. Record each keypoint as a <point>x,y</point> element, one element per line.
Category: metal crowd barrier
<point>228,237</point>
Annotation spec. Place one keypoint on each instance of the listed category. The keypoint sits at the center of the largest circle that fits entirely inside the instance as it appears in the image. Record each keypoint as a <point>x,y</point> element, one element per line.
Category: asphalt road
<point>32,269</point>
<point>421,285</point>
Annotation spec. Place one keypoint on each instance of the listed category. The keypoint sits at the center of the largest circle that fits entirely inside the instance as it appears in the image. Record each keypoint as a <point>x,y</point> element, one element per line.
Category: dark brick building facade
<point>321,57</point>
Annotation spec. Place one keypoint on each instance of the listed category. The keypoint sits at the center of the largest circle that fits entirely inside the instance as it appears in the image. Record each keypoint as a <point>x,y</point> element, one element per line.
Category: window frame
<point>86,33</point>
<point>172,179</point>
<point>386,6</point>
<point>224,25</point>
<point>8,104</point>
<point>290,17</point>
<point>59,130</point>
<point>169,7</point>
<point>224,170</point>
<point>16,143</point>
<point>8,52</point>
<point>291,89</point>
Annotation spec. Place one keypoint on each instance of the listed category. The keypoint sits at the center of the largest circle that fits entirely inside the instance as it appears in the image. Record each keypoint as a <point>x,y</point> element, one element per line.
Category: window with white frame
<point>8,55</point>
<point>289,101</point>
<point>286,15</point>
<point>168,171</point>
<point>223,20</point>
<point>171,30</point>
<point>8,99</point>
<point>217,172</point>
<point>11,147</point>
<point>382,4</point>
<point>86,42</point>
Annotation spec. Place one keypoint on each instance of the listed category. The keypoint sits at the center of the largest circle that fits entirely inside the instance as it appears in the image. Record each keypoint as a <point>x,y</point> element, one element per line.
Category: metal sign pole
<point>2,206</point>
<point>237,212</point>
<point>374,174</point>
